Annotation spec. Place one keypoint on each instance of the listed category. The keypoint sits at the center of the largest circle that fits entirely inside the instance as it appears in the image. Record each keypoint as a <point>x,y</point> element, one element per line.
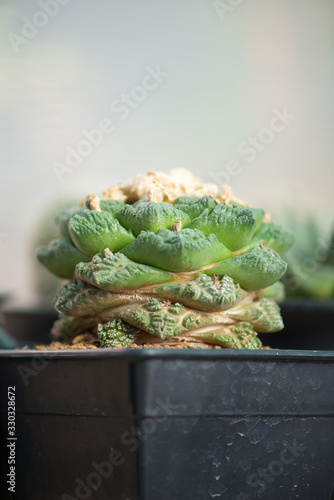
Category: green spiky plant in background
<point>167,261</point>
<point>311,260</point>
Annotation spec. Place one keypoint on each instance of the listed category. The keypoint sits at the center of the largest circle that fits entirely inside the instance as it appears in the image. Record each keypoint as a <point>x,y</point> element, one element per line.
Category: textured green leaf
<point>60,257</point>
<point>264,315</point>
<point>275,292</point>
<point>115,272</point>
<point>111,206</point>
<point>204,293</point>
<point>93,231</point>
<point>274,236</point>
<point>237,336</point>
<point>233,226</point>
<point>194,207</point>
<point>79,299</point>
<point>258,212</point>
<point>150,216</point>
<point>68,327</point>
<point>117,333</point>
<point>186,250</point>
<point>164,320</point>
<point>253,270</point>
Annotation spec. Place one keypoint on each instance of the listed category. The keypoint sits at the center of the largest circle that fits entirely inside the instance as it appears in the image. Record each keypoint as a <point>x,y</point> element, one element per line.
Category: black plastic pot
<point>170,425</point>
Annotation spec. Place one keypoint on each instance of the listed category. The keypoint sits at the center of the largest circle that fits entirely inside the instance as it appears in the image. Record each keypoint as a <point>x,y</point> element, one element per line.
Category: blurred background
<point>239,92</point>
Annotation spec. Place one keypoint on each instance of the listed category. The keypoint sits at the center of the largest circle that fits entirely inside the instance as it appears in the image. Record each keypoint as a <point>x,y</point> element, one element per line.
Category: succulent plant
<point>167,261</point>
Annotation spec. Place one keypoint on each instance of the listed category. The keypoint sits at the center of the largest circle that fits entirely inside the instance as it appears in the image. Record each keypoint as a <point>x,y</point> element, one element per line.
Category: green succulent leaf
<point>258,268</point>
<point>78,299</point>
<point>274,236</point>
<point>150,216</point>
<point>93,231</point>
<point>264,315</point>
<point>275,292</point>
<point>115,272</point>
<point>60,257</point>
<point>117,333</point>
<point>204,293</point>
<point>186,250</point>
<point>233,226</point>
<point>194,207</point>
<point>68,327</point>
<point>63,218</point>
<point>111,206</point>
<point>238,336</point>
<point>164,320</point>
<point>258,212</point>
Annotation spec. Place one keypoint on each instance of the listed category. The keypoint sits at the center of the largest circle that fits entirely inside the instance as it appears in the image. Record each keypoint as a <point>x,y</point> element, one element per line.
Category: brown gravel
<point>62,346</point>
<point>91,341</point>
<point>177,345</point>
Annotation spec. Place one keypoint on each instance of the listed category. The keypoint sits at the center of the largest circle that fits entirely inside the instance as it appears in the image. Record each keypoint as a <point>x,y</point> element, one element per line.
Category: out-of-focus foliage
<point>310,260</point>
<point>6,341</point>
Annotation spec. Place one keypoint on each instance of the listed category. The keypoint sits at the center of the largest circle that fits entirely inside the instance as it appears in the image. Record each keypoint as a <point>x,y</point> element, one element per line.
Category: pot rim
<point>177,354</point>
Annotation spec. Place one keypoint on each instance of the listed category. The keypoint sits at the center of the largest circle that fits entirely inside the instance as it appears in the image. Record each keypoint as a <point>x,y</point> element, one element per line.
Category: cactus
<point>167,261</point>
